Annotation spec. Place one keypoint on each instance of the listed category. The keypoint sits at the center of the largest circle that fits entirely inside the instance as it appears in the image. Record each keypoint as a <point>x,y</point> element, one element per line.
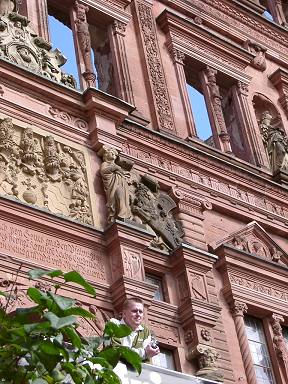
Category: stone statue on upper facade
<point>137,198</point>
<point>276,142</point>
<point>116,185</point>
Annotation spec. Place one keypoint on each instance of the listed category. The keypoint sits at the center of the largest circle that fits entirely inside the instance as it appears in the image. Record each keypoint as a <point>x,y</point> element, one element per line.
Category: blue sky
<point>61,38</point>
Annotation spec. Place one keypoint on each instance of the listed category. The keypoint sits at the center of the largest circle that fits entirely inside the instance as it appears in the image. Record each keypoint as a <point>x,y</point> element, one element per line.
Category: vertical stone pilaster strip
<point>279,344</point>
<point>178,59</point>
<point>238,310</point>
<point>214,106</point>
<point>252,143</point>
<point>37,13</point>
<point>123,85</point>
<point>153,64</point>
<point>83,43</point>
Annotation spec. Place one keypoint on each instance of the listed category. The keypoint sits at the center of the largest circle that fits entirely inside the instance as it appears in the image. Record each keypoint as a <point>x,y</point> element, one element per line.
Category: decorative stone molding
<point>35,168</point>
<point>159,91</point>
<point>68,118</point>
<point>262,202</point>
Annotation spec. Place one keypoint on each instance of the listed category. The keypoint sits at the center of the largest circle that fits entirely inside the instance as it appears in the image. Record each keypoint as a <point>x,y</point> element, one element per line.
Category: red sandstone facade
<point>229,261</point>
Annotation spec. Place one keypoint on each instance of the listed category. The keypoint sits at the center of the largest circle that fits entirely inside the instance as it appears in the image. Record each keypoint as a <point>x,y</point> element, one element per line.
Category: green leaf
<point>73,337</point>
<point>60,322</point>
<point>35,274</point>
<point>116,330</point>
<point>75,277</point>
<point>100,360</point>
<point>62,302</point>
<point>108,377</point>
<point>111,355</point>
<point>77,311</point>
<point>35,327</point>
<point>39,381</point>
<point>131,357</point>
<point>6,294</point>
<point>49,348</point>
<point>37,296</point>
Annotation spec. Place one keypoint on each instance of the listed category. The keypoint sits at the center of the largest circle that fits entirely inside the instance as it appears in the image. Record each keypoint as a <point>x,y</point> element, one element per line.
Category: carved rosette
<point>156,72</point>
<point>41,171</point>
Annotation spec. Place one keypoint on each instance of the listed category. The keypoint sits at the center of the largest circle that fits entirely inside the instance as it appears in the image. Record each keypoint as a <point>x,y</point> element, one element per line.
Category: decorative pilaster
<point>83,44</point>
<point>214,107</point>
<point>190,213</point>
<point>277,11</point>
<point>279,79</point>
<point>280,344</point>
<point>253,144</point>
<point>123,85</point>
<point>178,58</point>
<point>153,67</point>
<point>37,13</point>
<point>238,310</point>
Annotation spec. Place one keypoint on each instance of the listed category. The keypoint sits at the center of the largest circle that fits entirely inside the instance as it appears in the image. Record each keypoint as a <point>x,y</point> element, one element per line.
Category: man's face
<point>133,315</point>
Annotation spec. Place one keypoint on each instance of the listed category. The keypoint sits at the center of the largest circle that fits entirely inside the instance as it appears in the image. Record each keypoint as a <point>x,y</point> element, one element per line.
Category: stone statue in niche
<point>137,198</point>
<point>39,170</point>
<point>21,45</point>
<point>276,142</point>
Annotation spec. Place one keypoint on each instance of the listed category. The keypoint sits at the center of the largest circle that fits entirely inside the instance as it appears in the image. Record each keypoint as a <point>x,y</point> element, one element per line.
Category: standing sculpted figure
<point>115,180</point>
<point>6,7</point>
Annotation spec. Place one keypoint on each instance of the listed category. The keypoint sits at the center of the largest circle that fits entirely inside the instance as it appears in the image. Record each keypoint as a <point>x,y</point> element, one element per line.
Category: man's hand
<point>150,352</point>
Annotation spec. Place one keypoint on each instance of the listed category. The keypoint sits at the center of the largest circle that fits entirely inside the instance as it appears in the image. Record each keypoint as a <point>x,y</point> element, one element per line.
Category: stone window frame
<point>117,20</point>
<point>246,278</point>
<point>187,39</point>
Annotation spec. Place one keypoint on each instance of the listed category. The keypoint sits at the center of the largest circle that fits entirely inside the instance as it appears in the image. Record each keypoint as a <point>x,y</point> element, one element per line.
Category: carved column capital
<point>119,27</point>
<point>243,88</point>
<point>177,55</point>
<point>239,309</point>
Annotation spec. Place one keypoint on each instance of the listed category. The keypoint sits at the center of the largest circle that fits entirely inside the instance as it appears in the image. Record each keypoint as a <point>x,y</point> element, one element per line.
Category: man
<point>140,339</point>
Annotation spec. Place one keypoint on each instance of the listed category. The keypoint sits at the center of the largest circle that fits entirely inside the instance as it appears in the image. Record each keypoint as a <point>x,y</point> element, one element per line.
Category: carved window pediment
<point>253,239</point>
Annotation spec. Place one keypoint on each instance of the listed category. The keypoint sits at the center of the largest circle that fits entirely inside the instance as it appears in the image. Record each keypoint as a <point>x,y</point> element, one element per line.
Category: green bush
<point>40,344</point>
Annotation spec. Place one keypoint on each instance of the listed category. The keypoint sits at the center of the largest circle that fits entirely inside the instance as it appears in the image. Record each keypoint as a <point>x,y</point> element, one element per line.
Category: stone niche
<point>40,170</point>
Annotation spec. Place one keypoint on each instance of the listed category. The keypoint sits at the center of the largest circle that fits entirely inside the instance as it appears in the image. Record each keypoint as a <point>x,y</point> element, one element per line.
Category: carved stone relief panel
<point>166,333</point>
<point>31,245</point>
<point>197,285</point>
<point>41,171</point>
<point>132,259</point>
<point>21,45</point>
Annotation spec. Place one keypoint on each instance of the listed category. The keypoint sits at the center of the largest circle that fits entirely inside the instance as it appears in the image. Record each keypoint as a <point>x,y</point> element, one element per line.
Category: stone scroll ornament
<point>276,142</point>
<point>40,171</point>
<point>19,44</point>
<point>137,199</point>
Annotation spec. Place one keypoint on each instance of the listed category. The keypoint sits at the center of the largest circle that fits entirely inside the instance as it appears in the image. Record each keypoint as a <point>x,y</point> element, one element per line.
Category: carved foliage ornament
<point>39,170</point>
<point>156,72</point>
<point>21,45</point>
<point>137,198</point>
